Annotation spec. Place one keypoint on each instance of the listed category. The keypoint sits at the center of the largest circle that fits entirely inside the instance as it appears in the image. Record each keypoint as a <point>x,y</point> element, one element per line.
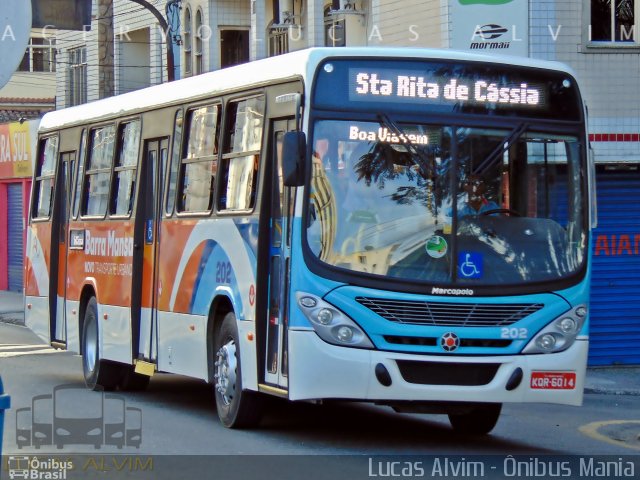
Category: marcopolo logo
<point>74,415</point>
<point>451,291</point>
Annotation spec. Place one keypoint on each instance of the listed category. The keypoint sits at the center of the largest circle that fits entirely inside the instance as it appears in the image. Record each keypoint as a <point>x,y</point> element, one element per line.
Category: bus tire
<point>237,408</point>
<point>479,421</point>
<point>98,374</point>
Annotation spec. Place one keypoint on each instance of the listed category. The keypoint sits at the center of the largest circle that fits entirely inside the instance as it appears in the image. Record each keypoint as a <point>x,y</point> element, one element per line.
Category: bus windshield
<point>445,204</point>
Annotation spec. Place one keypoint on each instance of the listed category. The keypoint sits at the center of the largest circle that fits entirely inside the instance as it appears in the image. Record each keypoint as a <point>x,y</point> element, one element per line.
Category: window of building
<point>77,76</point>
<point>124,175</point>
<point>334,29</point>
<point>278,41</point>
<point>614,21</point>
<point>45,178</point>
<point>199,165</point>
<point>241,157</point>
<point>234,47</point>
<point>176,154</point>
<point>199,61</point>
<point>40,55</point>
<point>96,181</point>
<point>188,61</point>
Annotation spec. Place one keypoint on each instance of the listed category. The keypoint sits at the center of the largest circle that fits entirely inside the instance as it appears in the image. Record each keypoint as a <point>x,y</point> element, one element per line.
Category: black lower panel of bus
<point>438,373</point>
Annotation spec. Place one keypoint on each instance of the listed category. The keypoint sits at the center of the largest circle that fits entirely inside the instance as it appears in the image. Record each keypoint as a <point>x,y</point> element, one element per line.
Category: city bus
<point>299,227</point>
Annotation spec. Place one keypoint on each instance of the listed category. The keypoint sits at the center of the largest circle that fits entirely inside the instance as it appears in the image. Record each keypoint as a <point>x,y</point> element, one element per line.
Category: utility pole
<point>106,85</point>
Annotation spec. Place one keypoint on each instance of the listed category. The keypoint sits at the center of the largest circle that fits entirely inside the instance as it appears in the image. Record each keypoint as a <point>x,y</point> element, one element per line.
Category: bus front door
<point>280,206</point>
<point>147,246</point>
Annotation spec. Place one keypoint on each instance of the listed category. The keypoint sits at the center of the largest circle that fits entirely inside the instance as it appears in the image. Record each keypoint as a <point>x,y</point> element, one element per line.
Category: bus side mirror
<point>294,146</point>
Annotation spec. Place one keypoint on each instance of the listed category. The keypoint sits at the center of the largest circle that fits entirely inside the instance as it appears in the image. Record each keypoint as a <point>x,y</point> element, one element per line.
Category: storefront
<point>17,147</point>
<point>615,291</point>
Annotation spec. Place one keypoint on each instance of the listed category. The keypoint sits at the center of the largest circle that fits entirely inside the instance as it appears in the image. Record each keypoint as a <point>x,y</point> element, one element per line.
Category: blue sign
<point>470,265</point>
<point>149,231</point>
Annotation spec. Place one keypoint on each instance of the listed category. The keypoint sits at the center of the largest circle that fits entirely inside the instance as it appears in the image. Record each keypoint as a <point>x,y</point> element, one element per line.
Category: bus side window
<point>124,176</point>
<point>79,176</point>
<point>43,191</point>
<point>176,154</point>
<point>198,169</point>
<point>96,182</point>
<point>241,157</point>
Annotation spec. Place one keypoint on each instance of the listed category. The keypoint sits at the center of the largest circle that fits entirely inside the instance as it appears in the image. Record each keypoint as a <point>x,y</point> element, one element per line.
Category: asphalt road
<point>177,417</point>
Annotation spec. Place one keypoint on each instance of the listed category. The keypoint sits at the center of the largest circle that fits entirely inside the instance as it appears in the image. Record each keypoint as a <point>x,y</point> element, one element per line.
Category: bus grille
<point>449,314</point>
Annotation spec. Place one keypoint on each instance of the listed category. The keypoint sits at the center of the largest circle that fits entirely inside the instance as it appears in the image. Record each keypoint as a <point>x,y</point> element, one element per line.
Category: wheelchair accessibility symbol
<point>470,265</point>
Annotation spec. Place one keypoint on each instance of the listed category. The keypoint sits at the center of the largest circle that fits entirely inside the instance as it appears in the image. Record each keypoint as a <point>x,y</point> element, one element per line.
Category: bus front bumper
<point>318,370</point>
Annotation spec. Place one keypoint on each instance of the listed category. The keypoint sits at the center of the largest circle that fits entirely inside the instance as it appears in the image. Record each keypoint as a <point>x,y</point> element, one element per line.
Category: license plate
<point>553,380</point>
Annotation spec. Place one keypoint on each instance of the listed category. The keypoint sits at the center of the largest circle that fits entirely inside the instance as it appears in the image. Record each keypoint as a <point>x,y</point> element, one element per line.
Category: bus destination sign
<point>381,84</point>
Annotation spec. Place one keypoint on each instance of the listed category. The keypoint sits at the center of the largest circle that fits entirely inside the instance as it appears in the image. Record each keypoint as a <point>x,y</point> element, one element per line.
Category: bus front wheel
<point>237,408</point>
<point>98,374</point>
<point>480,420</point>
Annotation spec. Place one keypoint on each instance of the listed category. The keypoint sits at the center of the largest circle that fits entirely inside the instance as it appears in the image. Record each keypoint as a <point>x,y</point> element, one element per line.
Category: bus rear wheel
<point>480,420</point>
<point>237,408</point>
<point>98,374</point>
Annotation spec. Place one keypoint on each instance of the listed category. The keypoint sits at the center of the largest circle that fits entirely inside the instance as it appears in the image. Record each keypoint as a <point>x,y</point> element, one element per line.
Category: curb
<point>13,318</point>
<point>612,391</point>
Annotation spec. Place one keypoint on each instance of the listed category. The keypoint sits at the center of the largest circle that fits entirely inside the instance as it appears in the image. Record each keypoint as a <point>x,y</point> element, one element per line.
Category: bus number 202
<point>514,333</point>
<point>223,272</point>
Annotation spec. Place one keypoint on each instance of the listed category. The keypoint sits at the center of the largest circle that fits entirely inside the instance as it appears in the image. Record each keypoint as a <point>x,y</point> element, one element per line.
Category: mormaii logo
<point>490,31</point>
<point>451,291</point>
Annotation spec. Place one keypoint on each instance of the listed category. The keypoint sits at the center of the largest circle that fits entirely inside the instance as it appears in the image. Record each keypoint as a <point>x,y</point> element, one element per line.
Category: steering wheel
<point>503,211</point>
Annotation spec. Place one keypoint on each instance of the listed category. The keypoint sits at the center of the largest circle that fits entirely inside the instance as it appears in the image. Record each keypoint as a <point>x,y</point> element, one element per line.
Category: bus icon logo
<point>18,467</point>
<point>449,342</point>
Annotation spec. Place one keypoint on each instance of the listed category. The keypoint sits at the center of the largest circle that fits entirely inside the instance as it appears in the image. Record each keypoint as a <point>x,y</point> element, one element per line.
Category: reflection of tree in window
<point>125,171</point>
<point>44,181</point>
<point>200,165</point>
<point>613,21</point>
<point>176,154</point>
<point>202,132</point>
<point>242,154</point>
<point>98,174</point>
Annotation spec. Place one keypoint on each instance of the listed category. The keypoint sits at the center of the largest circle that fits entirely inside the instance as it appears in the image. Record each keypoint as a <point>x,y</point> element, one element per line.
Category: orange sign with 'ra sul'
<point>16,149</point>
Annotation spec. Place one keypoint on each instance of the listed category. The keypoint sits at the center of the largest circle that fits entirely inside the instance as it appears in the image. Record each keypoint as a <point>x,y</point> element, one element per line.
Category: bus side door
<point>60,244</point>
<point>146,251</point>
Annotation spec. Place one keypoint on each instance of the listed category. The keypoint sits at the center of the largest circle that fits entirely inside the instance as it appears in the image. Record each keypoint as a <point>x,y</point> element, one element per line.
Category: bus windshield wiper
<point>497,152</point>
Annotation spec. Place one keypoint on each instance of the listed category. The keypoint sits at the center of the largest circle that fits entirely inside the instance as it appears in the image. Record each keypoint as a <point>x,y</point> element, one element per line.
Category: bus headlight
<point>559,334</point>
<point>331,324</point>
<point>325,316</point>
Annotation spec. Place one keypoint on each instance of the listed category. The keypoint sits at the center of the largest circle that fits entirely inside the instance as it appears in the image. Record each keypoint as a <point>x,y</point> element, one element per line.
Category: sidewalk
<point>608,380</point>
<point>11,307</point>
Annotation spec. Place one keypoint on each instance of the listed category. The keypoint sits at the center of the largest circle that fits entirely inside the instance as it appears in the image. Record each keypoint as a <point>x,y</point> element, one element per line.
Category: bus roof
<point>299,64</point>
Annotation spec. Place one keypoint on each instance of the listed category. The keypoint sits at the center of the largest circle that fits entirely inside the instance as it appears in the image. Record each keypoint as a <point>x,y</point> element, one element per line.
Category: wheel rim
<point>225,375</point>
<point>90,349</point>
